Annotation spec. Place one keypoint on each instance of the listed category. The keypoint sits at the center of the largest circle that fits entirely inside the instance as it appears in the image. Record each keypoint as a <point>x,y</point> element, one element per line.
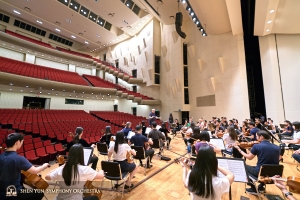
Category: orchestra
<point>240,141</point>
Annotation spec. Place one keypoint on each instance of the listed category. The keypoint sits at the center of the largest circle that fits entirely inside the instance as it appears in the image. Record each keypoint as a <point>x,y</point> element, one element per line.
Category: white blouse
<point>122,151</point>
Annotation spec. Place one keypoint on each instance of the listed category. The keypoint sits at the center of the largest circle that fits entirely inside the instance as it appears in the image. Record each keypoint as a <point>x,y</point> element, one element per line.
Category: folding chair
<point>112,172</point>
<point>157,145</point>
<point>140,155</point>
<point>266,170</point>
<point>102,149</point>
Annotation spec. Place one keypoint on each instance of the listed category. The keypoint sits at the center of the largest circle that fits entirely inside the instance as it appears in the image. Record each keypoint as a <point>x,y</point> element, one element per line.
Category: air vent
<point>60,40</point>
<point>29,27</point>
<point>152,7</point>
<point>107,26</point>
<point>132,6</point>
<point>65,2</point>
<point>136,9</point>
<point>4,18</point>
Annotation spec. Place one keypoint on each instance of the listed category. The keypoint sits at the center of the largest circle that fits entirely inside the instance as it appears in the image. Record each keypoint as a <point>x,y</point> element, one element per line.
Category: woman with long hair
<point>202,181</point>
<point>230,138</point>
<point>79,140</point>
<point>164,130</point>
<point>74,174</point>
<point>119,150</point>
<point>106,137</point>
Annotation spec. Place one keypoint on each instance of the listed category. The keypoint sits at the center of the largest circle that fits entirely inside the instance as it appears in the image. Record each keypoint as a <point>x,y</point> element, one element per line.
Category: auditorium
<point>140,99</point>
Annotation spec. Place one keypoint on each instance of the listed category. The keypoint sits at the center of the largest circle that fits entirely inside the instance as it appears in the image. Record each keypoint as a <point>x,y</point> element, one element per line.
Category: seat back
<point>47,143</point>
<point>40,151</point>
<point>269,170</point>
<point>140,152</point>
<point>102,147</point>
<point>111,170</point>
<point>156,143</point>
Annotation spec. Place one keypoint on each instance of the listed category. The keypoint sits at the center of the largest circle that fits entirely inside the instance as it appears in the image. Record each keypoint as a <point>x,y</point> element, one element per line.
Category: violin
<point>188,161</point>
<point>220,134</point>
<point>71,134</point>
<point>291,181</point>
<point>33,180</point>
<point>246,145</point>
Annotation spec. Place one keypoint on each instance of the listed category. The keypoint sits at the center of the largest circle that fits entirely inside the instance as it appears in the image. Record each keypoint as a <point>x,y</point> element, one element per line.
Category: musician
<point>11,165</point>
<point>200,123</point>
<point>74,174</point>
<point>230,138</point>
<point>253,131</point>
<point>289,130</point>
<point>127,129</point>
<point>282,187</point>
<point>152,116</point>
<point>230,123</point>
<point>78,139</point>
<point>296,155</point>
<point>202,181</point>
<point>218,128</point>
<point>292,144</point>
<point>204,141</point>
<point>224,123</point>
<point>171,119</point>
<point>139,140</point>
<point>257,123</point>
<point>164,130</point>
<point>119,151</point>
<point>266,153</point>
<point>191,127</point>
<point>156,134</point>
<point>143,125</point>
<point>106,137</point>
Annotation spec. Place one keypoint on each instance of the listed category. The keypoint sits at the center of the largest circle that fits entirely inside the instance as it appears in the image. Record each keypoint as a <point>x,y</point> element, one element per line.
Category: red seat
<point>44,157</point>
<point>60,149</point>
<point>51,151</point>
<point>27,141</point>
<point>38,139</point>
<point>28,147</point>
<point>47,143</point>
<point>31,157</point>
<point>38,145</point>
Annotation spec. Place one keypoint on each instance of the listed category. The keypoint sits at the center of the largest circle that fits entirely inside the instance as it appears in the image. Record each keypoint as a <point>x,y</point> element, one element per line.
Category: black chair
<point>266,170</point>
<point>112,172</point>
<point>157,145</point>
<point>140,155</point>
<point>102,149</point>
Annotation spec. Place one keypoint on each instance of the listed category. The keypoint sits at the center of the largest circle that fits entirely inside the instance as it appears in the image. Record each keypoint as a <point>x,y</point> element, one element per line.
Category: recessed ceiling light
<point>270,21</point>
<point>27,86</point>
<point>21,90</point>
<point>21,49</point>
<point>268,30</point>
<point>52,89</point>
<point>39,22</point>
<point>127,4</point>
<point>17,12</point>
<point>57,29</point>
<point>56,94</point>
<point>271,11</point>
<point>75,7</point>
<point>86,42</point>
<point>10,89</point>
<point>42,55</point>
<point>31,91</point>
<point>11,84</point>
<point>48,92</point>
<point>40,92</point>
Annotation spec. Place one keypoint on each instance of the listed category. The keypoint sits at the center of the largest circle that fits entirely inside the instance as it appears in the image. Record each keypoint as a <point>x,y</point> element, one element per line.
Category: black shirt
<point>107,141</point>
<point>165,131</point>
<point>81,141</point>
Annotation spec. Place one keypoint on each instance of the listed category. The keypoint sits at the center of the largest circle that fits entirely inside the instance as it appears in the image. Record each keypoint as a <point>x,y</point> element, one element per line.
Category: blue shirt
<point>152,119</point>
<point>138,140</point>
<point>11,165</point>
<point>253,132</point>
<point>126,131</point>
<point>266,152</point>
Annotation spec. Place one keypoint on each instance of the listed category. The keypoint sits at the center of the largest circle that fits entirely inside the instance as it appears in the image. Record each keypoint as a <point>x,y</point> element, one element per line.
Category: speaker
<point>178,24</point>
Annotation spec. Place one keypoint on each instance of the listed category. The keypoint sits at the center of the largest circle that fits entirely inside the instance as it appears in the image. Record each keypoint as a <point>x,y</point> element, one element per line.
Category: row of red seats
<point>74,52</point>
<point>111,66</point>
<point>28,39</point>
<point>36,71</point>
<point>99,82</point>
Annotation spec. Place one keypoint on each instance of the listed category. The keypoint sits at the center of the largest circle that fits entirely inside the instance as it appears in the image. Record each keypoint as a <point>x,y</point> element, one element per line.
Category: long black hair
<point>107,132</point>
<point>78,131</point>
<point>192,125</point>
<point>119,140</point>
<point>163,125</point>
<point>70,170</point>
<point>200,179</point>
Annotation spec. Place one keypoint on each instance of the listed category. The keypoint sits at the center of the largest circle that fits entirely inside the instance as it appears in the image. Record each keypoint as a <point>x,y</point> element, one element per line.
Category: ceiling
<point>277,16</point>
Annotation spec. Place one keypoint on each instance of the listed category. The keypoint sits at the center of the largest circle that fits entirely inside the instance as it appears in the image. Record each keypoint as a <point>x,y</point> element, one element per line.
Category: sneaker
<point>251,191</point>
<point>261,189</point>
<point>128,187</point>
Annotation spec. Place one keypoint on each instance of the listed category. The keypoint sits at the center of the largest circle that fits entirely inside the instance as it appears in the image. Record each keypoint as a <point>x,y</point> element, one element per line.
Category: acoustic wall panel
<point>174,36</point>
<point>164,51</point>
<point>143,72</point>
<point>200,64</point>
<point>151,73</point>
<point>173,92</point>
<point>167,66</point>
<point>146,55</point>
<point>211,84</point>
<point>191,51</point>
<point>204,101</point>
<point>144,42</point>
<point>221,64</point>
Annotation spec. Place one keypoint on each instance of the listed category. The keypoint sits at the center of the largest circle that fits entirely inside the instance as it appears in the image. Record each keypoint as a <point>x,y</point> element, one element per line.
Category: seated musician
<point>143,125</point>
<point>11,165</point>
<point>204,141</point>
<point>230,139</point>
<point>200,123</point>
<point>224,123</point>
<point>280,184</point>
<point>164,130</point>
<point>296,155</point>
<point>253,131</point>
<point>292,144</point>
<point>202,181</point>
<point>74,174</point>
<point>288,131</point>
<point>266,152</point>
<point>218,128</point>
<point>156,134</point>
<point>177,128</point>
<point>127,129</point>
<point>139,140</point>
<point>119,150</point>
<point>79,140</point>
<point>191,128</point>
<point>106,137</point>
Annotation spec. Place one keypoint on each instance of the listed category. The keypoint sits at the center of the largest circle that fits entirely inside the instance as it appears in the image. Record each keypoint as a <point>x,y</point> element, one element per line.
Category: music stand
<point>87,153</point>
<point>218,142</point>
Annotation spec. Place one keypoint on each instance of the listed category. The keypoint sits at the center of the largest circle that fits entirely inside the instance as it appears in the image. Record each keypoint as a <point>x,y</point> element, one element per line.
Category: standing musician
<point>106,137</point>
<point>119,150</point>
<point>164,130</point>
<point>266,152</point>
<point>289,130</point>
<point>202,181</point>
<point>253,131</point>
<point>74,174</point>
<point>171,119</point>
<point>156,134</point>
<point>139,140</point>
<point>293,144</point>
<point>152,116</point>
<point>11,165</point>
<point>78,139</point>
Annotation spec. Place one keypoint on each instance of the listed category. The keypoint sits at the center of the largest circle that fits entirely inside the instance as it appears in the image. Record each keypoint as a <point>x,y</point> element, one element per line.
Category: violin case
<point>165,158</point>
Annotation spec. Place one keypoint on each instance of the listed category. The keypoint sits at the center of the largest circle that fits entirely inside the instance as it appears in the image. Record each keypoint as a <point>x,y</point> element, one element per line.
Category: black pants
<point>251,170</point>
<point>149,153</point>
<point>94,161</point>
<point>280,135</point>
<point>169,141</point>
<point>291,146</point>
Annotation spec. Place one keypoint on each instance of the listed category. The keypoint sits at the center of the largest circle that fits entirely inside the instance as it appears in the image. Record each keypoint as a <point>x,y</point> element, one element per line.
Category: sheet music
<point>235,166</point>
<point>87,153</point>
<point>148,129</point>
<point>130,134</point>
<point>218,142</point>
<point>158,127</point>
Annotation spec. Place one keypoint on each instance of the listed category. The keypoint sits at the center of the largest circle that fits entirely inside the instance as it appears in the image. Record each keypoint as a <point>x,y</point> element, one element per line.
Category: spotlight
<point>201,29</point>
<point>188,9</point>
<point>183,1</point>
<point>192,13</point>
<point>204,34</point>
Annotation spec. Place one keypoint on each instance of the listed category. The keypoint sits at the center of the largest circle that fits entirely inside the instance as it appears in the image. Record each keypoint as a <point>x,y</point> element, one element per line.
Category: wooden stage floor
<point>168,184</point>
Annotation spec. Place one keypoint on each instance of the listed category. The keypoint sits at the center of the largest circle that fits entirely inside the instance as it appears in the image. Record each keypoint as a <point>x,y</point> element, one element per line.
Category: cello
<point>34,180</point>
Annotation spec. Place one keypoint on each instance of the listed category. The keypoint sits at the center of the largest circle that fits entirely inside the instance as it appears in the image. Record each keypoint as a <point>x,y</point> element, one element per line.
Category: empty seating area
<point>29,39</point>
<point>119,117</point>
<point>136,94</point>
<point>99,82</point>
<point>74,52</point>
<point>35,71</point>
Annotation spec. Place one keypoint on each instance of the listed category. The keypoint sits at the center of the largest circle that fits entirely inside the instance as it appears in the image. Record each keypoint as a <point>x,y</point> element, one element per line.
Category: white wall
<point>51,64</point>
<point>29,58</point>
<point>11,54</point>
<point>81,71</point>
<point>282,101</point>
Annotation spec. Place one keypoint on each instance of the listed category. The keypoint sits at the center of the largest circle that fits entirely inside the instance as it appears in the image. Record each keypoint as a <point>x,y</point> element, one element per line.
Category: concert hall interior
<point>225,68</point>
